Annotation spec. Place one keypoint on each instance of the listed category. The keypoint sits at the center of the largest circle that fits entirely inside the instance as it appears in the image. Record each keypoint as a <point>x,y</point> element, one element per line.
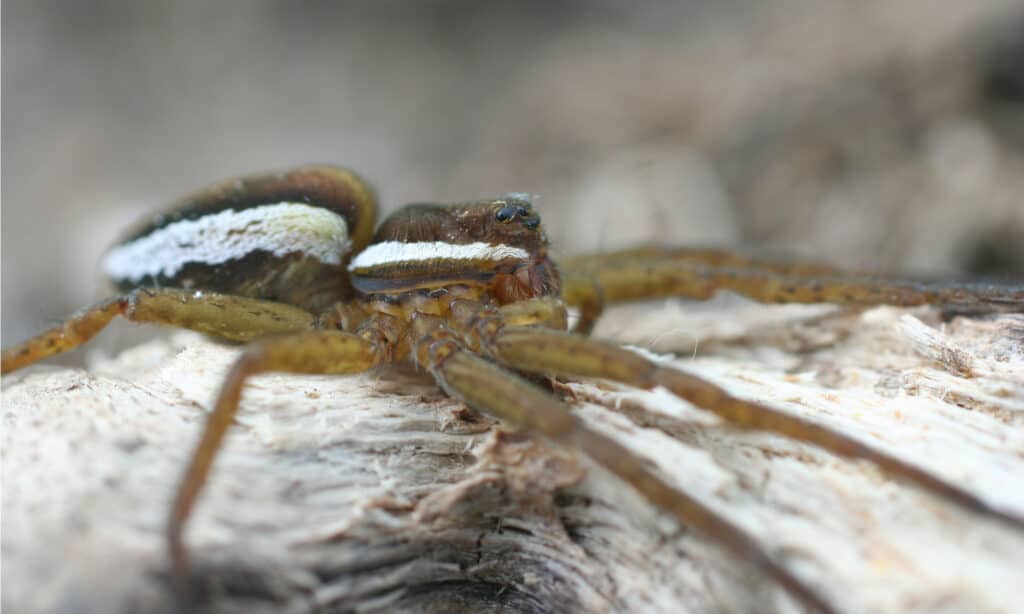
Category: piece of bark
<point>378,493</point>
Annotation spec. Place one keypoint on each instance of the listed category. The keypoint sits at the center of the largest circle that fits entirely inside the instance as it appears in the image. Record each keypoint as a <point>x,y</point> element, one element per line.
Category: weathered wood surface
<point>377,493</point>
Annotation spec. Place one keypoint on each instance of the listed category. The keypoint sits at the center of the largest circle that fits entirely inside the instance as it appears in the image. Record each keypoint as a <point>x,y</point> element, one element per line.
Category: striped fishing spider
<point>294,265</point>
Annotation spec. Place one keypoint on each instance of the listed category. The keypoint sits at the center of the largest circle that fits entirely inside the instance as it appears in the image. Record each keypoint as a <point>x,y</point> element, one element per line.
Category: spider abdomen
<point>284,237</point>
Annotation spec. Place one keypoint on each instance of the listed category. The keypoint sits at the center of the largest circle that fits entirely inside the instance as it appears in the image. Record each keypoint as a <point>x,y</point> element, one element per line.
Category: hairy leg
<point>647,274</point>
<point>228,317</point>
<point>697,256</point>
<point>311,352</point>
<point>498,392</point>
<point>546,311</point>
<point>583,280</point>
<point>557,353</point>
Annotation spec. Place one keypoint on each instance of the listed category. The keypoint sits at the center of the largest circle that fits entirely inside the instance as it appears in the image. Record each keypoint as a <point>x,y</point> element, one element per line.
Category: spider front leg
<point>700,257</point>
<point>557,353</point>
<point>229,317</point>
<point>309,352</point>
<point>500,393</point>
<point>649,273</point>
<point>583,280</point>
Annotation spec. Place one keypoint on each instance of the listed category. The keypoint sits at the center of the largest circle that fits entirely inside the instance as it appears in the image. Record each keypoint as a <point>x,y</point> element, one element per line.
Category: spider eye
<point>506,214</point>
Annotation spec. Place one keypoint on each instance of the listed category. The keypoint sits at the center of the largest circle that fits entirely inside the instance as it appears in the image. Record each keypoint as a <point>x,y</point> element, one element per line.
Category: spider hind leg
<point>234,318</point>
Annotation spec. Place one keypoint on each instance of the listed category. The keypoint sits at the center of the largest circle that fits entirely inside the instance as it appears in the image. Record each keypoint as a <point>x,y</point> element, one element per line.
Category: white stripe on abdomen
<point>280,229</point>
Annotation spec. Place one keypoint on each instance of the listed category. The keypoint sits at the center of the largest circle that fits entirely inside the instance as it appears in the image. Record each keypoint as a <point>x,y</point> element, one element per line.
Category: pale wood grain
<point>377,493</point>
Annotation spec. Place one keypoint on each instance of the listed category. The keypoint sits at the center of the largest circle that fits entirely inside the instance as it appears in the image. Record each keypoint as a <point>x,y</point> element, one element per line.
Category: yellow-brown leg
<point>546,311</point>
<point>699,257</point>
<point>582,277</point>
<point>589,299</point>
<point>314,352</point>
<point>555,353</point>
<point>493,390</point>
<point>228,317</point>
<point>645,276</point>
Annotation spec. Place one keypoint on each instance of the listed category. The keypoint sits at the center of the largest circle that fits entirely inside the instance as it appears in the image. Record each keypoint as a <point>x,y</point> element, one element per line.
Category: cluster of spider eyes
<point>509,212</point>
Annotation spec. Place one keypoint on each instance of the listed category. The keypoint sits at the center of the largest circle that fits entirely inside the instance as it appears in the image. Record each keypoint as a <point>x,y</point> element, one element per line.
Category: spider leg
<point>310,352</point>
<point>229,317</point>
<point>557,353</point>
<point>581,278</point>
<point>699,256</point>
<point>501,393</point>
<point>545,311</point>
<point>652,273</point>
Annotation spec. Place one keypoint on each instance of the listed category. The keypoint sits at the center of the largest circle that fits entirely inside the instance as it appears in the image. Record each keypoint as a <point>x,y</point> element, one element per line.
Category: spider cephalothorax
<point>289,263</point>
<point>498,245</point>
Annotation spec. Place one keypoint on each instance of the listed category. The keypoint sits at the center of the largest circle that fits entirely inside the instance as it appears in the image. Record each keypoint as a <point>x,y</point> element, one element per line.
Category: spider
<point>292,265</point>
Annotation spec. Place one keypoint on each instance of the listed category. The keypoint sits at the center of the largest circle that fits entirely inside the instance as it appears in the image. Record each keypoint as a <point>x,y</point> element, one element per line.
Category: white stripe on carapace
<point>280,229</point>
<point>393,252</point>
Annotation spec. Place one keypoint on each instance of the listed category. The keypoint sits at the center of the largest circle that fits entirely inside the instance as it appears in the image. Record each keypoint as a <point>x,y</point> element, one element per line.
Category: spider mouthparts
<point>524,277</point>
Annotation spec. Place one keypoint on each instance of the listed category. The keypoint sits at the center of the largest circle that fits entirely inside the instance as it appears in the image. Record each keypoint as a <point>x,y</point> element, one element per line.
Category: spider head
<point>515,223</point>
<point>499,243</point>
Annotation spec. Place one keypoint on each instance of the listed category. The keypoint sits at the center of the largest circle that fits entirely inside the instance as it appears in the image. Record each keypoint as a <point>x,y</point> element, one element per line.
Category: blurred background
<point>869,133</point>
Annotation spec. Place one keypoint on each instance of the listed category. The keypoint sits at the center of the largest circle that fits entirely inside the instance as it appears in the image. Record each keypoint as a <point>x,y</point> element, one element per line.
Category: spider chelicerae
<point>291,264</point>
